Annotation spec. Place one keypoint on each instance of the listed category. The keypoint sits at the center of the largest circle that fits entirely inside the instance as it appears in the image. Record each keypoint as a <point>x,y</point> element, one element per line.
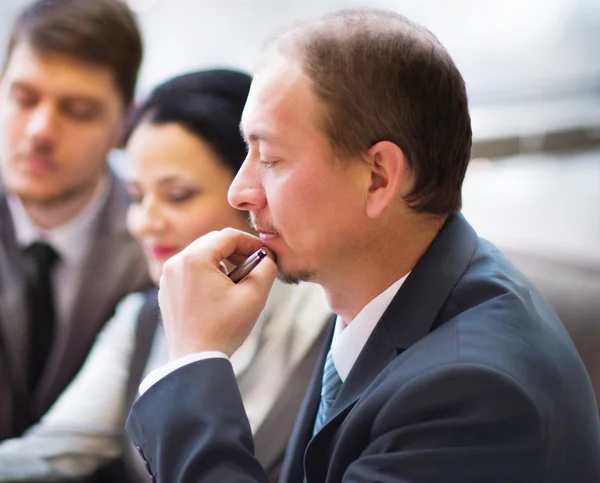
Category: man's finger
<point>228,244</point>
<point>236,243</point>
<point>236,259</point>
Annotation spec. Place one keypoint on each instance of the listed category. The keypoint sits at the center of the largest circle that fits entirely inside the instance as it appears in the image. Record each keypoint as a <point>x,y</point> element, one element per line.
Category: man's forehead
<point>280,93</point>
<point>58,73</point>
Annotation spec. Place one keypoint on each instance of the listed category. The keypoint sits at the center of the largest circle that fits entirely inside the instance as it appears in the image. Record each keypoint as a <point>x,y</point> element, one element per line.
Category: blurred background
<point>532,69</point>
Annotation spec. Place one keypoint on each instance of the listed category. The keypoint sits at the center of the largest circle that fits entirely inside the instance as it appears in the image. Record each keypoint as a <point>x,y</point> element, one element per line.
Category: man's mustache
<point>262,226</point>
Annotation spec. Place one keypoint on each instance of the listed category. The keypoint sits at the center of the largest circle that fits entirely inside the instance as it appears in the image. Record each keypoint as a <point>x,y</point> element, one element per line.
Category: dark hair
<point>208,103</point>
<point>102,32</point>
<point>381,77</point>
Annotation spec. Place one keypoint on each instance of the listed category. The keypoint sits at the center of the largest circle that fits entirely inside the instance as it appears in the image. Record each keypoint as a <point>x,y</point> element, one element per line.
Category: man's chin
<point>35,195</point>
<point>41,192</point>
<point>289,275</point>
<point>294,278</point>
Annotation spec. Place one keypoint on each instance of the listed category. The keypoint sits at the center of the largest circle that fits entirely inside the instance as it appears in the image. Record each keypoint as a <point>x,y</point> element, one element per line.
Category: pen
<point>244,268</point>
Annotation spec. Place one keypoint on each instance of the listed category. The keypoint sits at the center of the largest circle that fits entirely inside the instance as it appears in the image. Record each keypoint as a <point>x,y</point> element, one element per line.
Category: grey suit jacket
<point>115,267</point>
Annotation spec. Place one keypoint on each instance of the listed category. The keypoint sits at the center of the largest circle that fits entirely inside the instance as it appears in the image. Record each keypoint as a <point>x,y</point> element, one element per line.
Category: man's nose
<point>246,191</point>
<point>43,125</point>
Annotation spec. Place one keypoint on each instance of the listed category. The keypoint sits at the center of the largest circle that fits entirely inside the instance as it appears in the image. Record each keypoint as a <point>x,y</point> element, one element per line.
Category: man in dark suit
<point>66,257</point>
<point>444,364</point>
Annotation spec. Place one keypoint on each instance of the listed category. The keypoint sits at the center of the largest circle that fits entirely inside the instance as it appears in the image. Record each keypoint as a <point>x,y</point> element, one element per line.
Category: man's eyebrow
<point>18,84</point>
<point>63,97</point>
<point>82,98</point>
<point>254,136</point>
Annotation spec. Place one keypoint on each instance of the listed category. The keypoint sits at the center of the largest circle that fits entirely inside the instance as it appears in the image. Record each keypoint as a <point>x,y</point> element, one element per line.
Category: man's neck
<point>48,215</point>
<point>354,285</point>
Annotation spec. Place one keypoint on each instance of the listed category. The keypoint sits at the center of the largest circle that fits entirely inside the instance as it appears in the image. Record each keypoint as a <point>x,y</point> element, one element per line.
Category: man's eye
<point>24,98</point>
<point>82,111</point>
<point>267,164</point>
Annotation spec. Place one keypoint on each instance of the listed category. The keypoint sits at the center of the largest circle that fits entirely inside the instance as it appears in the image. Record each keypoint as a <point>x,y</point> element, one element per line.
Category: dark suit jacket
<point>115,267</point>
<point>572,287</point>
<point>468,377</point>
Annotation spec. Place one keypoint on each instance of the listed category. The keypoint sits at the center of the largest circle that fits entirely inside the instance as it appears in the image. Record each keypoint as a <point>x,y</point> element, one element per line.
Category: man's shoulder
<point>495,296</point>
<point>495,313</point>
<point>496,320</point>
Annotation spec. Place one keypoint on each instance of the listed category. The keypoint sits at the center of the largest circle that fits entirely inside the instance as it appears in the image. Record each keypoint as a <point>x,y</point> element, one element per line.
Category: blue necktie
<point>330,387</point>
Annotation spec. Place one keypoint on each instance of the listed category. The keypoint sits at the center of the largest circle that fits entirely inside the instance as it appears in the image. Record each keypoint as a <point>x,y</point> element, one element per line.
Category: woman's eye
<point>181,196</point>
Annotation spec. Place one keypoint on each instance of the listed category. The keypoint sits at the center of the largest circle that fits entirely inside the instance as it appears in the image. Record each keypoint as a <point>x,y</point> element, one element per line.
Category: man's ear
<point>390,177</point>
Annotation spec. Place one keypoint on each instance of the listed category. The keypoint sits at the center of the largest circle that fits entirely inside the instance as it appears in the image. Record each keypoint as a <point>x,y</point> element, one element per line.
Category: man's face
<point>307,206</point>
<point>59,118</point>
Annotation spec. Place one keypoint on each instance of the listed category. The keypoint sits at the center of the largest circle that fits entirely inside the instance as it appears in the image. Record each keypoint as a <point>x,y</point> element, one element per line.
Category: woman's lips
<point>159,251</point>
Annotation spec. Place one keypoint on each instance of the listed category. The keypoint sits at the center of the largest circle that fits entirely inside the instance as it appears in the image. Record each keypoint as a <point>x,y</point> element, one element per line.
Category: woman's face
<point>179,189</point>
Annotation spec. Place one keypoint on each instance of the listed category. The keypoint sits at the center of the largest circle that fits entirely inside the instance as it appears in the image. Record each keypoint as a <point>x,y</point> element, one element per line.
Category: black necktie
<point>41,257</point>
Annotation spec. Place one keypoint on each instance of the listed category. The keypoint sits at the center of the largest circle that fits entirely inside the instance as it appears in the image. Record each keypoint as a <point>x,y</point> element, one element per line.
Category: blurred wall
<point>533,74</point>
<point>506,49</point>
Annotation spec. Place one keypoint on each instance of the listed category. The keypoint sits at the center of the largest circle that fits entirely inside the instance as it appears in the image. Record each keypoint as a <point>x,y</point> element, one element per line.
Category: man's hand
<point>202,309</point>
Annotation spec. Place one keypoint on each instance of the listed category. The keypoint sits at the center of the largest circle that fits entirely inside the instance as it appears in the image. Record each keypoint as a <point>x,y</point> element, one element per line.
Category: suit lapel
<point>409,317</point>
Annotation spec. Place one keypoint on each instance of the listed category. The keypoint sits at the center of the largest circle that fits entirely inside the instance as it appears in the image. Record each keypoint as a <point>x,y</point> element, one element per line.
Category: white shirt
<point>348,339</point>
<point>72,242</point>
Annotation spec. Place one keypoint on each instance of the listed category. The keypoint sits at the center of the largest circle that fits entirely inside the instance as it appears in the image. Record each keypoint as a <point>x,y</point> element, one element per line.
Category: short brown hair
<point>102,32</point>
<point>381,77</point>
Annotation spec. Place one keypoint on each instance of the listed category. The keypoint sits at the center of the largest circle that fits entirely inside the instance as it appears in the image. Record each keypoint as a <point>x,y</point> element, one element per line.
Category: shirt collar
<point>349,339</point>
<point>71,239</point>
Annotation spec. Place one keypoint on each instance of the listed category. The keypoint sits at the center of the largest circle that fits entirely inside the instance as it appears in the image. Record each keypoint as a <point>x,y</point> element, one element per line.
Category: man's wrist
<point>163,371</point>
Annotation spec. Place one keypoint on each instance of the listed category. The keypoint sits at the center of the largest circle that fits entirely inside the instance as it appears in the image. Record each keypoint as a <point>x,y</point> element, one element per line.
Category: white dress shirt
<point>71,241</point>
<point>350,338</point>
